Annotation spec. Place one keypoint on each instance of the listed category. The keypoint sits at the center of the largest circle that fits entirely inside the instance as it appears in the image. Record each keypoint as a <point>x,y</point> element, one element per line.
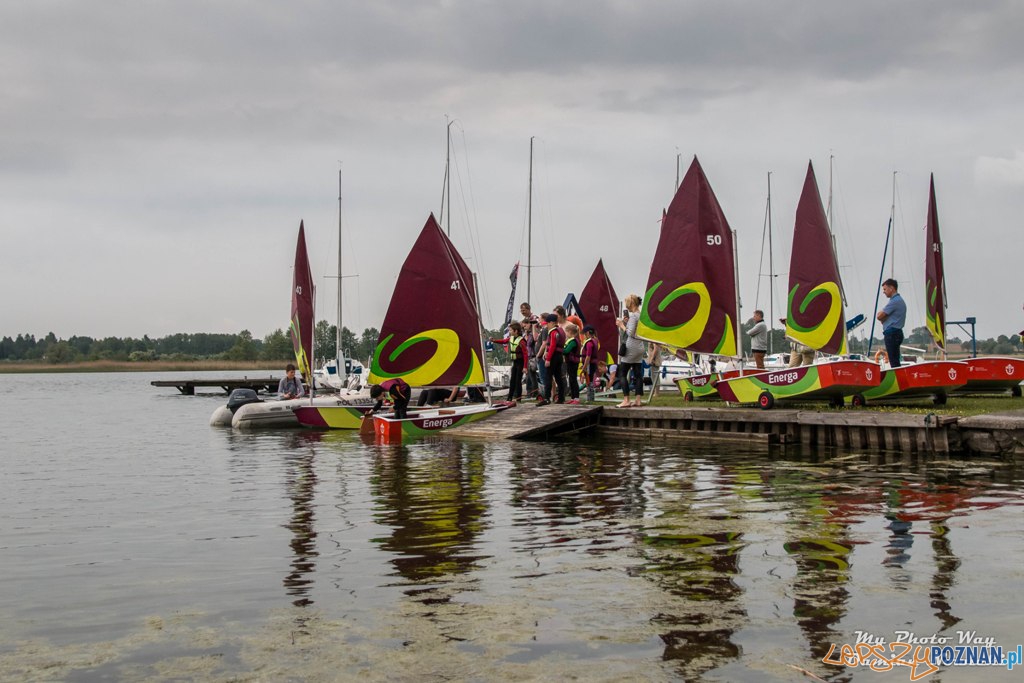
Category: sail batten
<point>691,294</point>
<point>301,325</point>
<point>934,275</point>
<point>815,315</point>
<point>431,332</point>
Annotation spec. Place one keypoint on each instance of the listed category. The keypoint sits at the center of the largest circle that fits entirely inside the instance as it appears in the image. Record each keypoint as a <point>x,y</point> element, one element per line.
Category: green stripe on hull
<point>700,391</point>
<point>887,387</point>
<point>411,429</point>
<point>341,417</point>
<point>747,389</point>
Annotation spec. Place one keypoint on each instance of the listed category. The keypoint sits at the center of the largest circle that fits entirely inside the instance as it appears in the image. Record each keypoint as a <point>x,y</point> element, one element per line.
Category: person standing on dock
<point>893,317</point>
<point>553,356</point>
<point>399,393</point>
<point>631,361</point>
<point>290,387</point>
<point>517,349</point>
<point>758,334</point>
<point>589,359</point>
<point>572,361</point>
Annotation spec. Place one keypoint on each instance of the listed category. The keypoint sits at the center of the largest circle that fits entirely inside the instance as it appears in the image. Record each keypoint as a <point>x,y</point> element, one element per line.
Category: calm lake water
<point>139,543</point>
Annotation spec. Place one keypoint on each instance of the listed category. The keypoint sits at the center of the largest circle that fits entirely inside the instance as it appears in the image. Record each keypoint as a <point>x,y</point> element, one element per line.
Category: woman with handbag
<point>631,354</point>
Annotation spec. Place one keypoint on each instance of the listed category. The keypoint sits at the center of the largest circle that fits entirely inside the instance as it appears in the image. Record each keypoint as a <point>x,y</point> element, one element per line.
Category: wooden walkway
<point>910,433</point>
<point>188,386</point>
<point>527,421</point>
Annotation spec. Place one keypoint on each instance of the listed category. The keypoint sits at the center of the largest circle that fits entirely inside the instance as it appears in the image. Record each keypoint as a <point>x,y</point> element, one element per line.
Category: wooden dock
<point>909,433</point>
<point>188,386</point>
<point>527,421</point>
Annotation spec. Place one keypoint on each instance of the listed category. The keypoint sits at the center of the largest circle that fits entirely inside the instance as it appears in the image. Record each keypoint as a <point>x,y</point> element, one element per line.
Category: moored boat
<point>815,318</point>
<point>935,379</point>
<point>691,301</point>
<point>987,374</point>
<point>431,337</point>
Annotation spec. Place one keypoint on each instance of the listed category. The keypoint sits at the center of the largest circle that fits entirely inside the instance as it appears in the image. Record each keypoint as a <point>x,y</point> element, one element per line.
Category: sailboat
<point>430,337</point>
<point>257,413</point>
<point>599,308</point>
<point>814,317</point>
<point>691,302</point>
<point>928,378</point>
<point>985,374</point>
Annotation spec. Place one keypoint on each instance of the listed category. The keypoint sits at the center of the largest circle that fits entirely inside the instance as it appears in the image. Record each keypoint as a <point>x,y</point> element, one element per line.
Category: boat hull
<point>994,374</point>
<point>277,414</point>
<point>823,381</point>
<point>936,379</point>
<point>389,429</point>
<point>331,417</point>
<point>700,387</point>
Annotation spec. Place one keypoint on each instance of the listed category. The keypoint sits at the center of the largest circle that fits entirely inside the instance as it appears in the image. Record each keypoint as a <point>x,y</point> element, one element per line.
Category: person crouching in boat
<point>290,387</point>
<point>399,393</point>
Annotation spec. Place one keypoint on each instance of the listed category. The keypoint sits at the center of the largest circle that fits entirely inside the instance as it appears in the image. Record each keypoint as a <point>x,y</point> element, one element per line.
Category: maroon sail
<point>599,306</point>
<point>815,314</point>
<point>690,301</point>
<point>934,276</point>
<point>301,326</point>
<point>431,334</point>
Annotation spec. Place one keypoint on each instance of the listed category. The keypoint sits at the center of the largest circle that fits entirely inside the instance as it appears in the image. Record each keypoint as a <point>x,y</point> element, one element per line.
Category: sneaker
<point>574,402</point>
<point>542,402</point>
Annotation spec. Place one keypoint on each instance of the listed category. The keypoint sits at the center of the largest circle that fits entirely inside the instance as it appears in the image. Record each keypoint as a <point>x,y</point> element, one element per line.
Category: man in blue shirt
<point>893,316</point>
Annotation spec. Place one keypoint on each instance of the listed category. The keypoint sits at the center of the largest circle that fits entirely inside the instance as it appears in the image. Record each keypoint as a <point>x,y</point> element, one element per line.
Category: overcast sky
<point>156,157</point>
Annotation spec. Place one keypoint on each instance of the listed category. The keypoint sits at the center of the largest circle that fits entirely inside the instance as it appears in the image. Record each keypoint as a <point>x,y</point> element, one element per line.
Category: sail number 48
<point>714,240</point>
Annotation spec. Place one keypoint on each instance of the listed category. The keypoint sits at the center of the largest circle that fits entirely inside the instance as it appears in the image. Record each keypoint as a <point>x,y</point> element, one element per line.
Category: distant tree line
<point>275,347</point>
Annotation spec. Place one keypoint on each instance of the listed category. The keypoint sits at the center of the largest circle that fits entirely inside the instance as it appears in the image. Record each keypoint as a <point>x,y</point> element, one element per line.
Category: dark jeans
<point>554,374</point>
<point>515,380</point>
<point>401,404</point>
<point>631,375</point>
<point>573,371</point>
<point>893,339</point>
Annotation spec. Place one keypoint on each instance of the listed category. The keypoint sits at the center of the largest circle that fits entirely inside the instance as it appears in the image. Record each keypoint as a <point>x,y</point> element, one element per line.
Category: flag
<point>513,278</point>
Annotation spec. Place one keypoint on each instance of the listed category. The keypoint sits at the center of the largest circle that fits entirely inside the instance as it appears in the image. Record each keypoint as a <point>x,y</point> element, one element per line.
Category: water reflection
<point>300,484</point>
<point>432,498</point>
<point>692,546</point>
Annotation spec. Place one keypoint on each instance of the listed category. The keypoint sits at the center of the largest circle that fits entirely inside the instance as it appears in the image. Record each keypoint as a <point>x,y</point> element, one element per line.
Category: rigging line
<point>760,263</point>
<point>552,252</point>
<point>472,224</point>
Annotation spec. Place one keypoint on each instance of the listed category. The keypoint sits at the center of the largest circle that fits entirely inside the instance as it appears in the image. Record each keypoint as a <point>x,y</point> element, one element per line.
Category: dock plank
<point>527,421</point>
<point>188,386</point>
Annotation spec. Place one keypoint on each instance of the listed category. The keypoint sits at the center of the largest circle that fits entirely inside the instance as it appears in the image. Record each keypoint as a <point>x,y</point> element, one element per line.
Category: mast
<point>679,160</point>
<point>340,352</point>
<point>736,284</point>
<point>885,253</point>
<point>892,221</point>
<point>446,186</point>
<point>483,347</point>
<point>771,270</point>
<point>529,225</point>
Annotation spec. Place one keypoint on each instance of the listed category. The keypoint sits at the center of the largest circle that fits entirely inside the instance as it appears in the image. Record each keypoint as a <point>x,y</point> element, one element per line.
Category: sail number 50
<point>714,240</point>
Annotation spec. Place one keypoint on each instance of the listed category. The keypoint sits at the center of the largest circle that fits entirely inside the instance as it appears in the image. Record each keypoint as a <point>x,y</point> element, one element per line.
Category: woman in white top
<point>631,362</point>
